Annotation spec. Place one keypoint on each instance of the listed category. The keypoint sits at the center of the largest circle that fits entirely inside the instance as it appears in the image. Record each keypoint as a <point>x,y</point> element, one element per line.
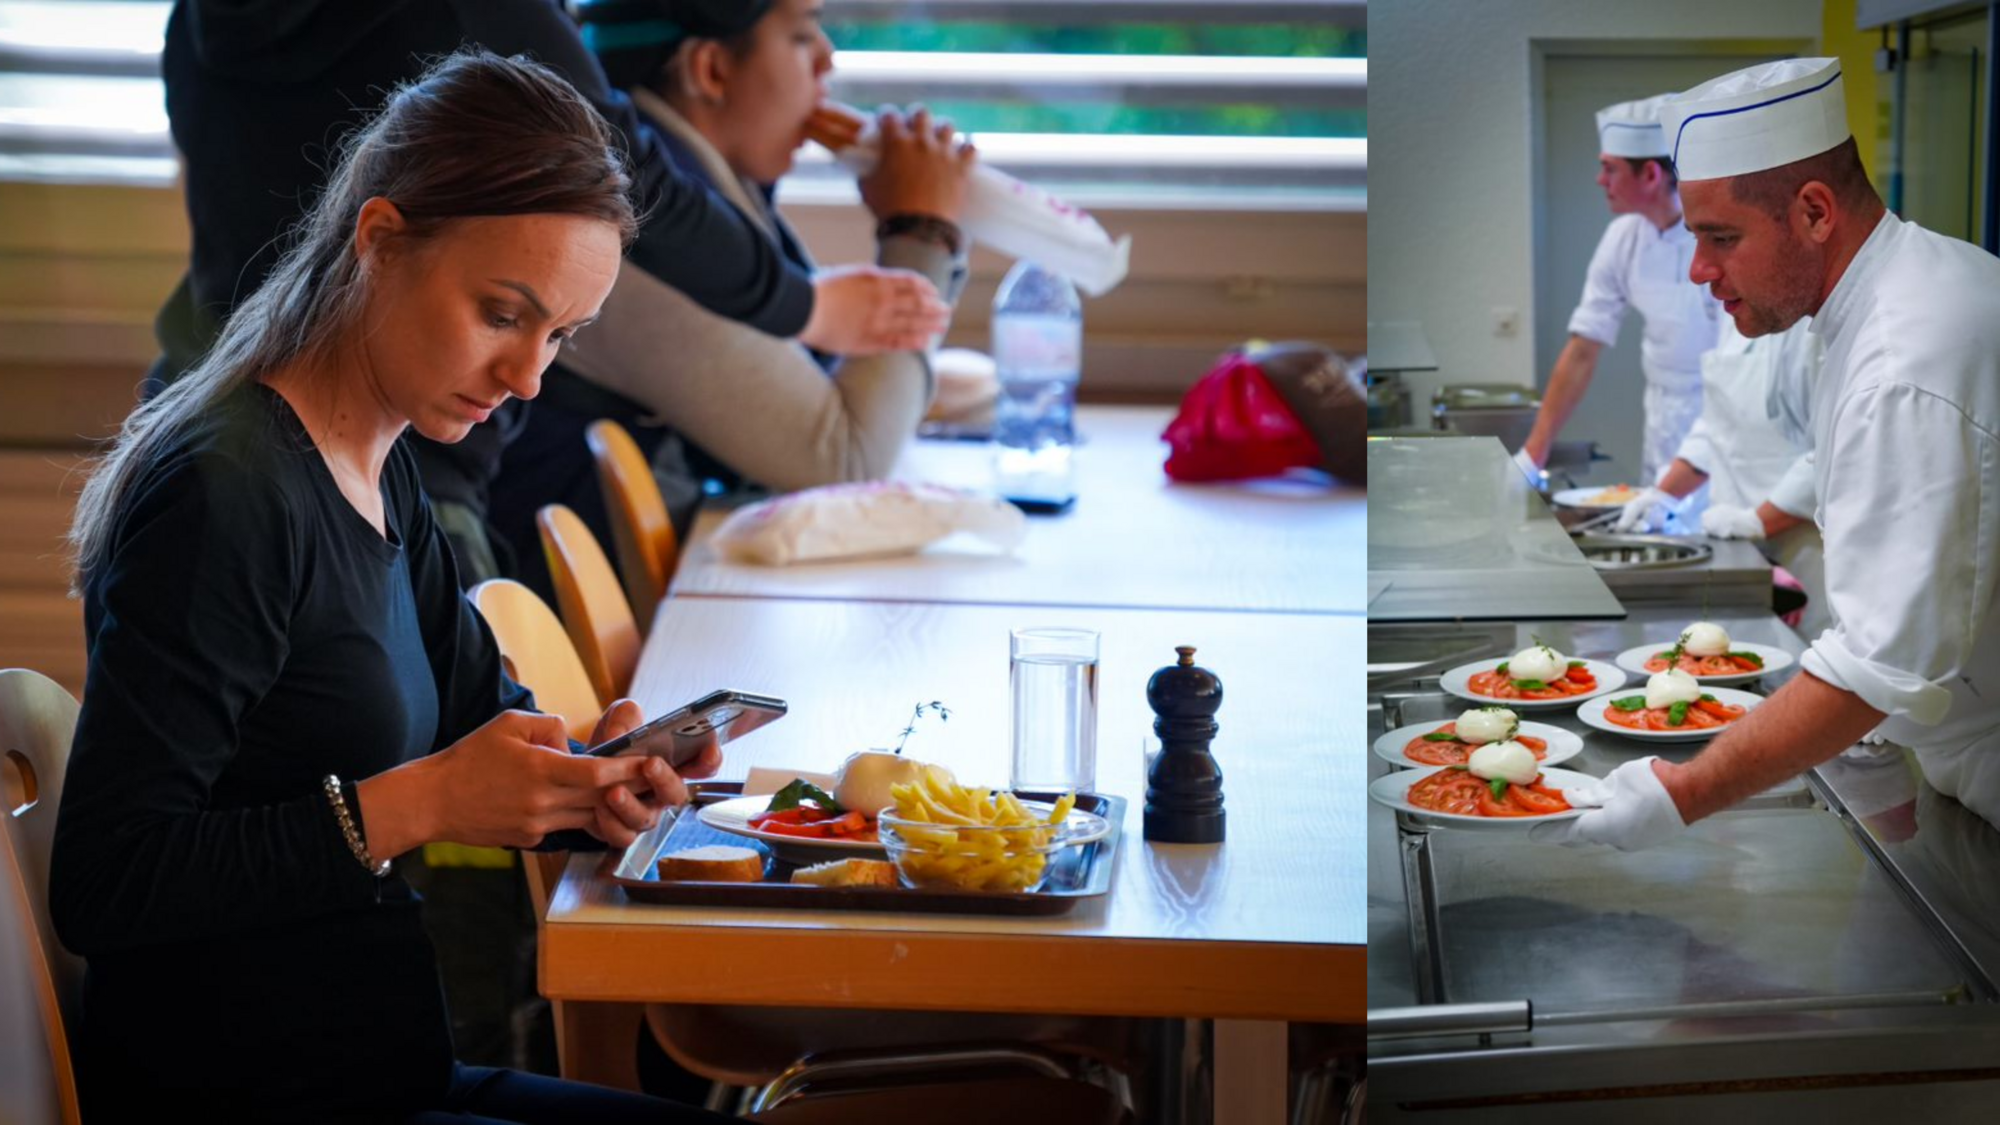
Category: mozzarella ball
<point>1672,686</point>
<point>1705,638</point>
<point>1486,724</point>
<point>1538,663</point>
<point>1509,760</point>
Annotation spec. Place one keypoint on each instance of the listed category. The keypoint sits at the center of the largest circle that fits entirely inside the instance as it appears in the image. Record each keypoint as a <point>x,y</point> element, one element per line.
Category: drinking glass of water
<point>1055,709</point>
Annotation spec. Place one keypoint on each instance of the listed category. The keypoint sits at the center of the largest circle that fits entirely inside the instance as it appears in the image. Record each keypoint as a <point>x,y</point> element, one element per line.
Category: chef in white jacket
<point>1640,263</point>
<point>1905,417</point>
<point>1752,448</point>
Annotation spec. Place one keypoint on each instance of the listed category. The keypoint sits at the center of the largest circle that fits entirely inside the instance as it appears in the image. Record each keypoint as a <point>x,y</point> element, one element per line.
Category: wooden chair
<point>593,605</point>
<point>537,653</point>
<point>642,537</point>
<point>41,983</point>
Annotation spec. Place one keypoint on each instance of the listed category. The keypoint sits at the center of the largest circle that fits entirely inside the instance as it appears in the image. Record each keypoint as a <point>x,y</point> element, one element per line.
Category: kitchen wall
<point>1451,225</point>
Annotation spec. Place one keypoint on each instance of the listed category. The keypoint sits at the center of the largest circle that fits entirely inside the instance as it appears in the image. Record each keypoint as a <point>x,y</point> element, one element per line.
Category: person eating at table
<point>1640,263</point>
<point>731,88</point>
<point>1904,415</point>
<point>286,690</point>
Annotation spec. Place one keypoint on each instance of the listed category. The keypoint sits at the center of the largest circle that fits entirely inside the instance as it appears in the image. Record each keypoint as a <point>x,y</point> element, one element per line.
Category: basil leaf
<point>1502,670</point>
<point>801,791</point>
<point>1577,663</point>
<point>1630,703</point>
<point>1499,787</point>
<point>1441,736</point>
<point>1750,656</point>
<point>1708,699</point>
<point>1530,685</point>
<point>1677,714</point>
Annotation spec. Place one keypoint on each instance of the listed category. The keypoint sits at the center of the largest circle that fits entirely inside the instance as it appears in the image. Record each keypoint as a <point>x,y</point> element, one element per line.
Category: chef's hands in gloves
<point>1630,809</point>
<point>1646,511</point>
<point>1528,467</point>
<point>1725,521</point>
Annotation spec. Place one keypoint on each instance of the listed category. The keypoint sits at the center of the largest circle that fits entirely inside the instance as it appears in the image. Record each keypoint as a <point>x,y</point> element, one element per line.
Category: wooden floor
<point>41,626</point>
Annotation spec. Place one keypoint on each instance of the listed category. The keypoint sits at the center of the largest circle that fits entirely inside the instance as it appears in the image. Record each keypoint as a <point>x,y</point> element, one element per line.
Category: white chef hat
<point>1632,129</point>
<point>1759,117</point>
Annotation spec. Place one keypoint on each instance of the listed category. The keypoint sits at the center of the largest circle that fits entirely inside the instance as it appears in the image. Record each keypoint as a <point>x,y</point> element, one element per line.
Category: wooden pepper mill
<point>1184,790</point>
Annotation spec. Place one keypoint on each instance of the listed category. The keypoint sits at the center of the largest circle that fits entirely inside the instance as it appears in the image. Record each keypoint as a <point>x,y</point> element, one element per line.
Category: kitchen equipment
<point>1499,410</point>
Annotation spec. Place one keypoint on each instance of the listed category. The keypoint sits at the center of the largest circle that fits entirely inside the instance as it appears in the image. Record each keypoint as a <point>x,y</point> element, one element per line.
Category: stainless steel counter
<point>1456,534</point>
<point>1815,954</point>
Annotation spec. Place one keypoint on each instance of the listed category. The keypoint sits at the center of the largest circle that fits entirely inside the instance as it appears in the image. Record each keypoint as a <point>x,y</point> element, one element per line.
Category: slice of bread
<point>848,873</point>
<point>714,863</point>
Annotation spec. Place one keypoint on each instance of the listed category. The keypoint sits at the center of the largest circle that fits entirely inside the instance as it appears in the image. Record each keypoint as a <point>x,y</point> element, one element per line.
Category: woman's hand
<point>634,807</point>
<point>507,784</point>
<point>920,170</point>
<point>863,310</point>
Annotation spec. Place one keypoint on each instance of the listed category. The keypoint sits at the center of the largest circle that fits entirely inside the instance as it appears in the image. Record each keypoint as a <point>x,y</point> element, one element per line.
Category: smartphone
<point>682,734</point>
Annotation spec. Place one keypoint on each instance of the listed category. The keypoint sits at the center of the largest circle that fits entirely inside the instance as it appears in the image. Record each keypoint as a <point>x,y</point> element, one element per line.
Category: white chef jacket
<point>1752,441</point>
<point>1637,265</point>
<point>1906,425</point>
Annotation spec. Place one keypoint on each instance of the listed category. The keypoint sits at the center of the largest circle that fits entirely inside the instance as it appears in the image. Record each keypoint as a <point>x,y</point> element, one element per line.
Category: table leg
<point>596,1042</point>
<point>1251,1063</point>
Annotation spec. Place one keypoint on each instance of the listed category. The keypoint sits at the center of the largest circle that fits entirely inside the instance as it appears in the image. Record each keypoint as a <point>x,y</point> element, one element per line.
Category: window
<point>1160,102</point>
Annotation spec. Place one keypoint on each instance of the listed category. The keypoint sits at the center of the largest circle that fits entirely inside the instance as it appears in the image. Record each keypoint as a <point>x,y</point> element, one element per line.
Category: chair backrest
<point>592,603</point>
<point>642,537</point>
<point>41,983</point>
<point>538,653</point>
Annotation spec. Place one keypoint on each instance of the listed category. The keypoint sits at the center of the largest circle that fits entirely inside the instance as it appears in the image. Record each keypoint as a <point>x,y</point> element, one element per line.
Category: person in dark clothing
<point>286,689</point>
<point>259,92</point>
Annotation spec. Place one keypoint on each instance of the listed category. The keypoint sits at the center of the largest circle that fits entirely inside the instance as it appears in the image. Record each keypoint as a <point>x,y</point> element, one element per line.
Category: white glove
<point>1724,521</point>
<point>1528,467</point>
<point>1646,511</point>
<point>1629,810</point>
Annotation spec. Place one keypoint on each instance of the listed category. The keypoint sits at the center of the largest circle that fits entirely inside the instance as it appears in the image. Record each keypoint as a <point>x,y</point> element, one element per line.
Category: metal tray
<point>1079,873</point>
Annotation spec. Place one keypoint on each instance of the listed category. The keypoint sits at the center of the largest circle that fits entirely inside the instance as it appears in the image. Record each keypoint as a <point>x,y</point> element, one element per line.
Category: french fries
<point>972,839</point>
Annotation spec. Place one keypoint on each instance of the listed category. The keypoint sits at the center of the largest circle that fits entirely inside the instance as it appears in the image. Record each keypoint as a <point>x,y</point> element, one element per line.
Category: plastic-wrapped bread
<point>1015,218</point>
<point>876,518</point>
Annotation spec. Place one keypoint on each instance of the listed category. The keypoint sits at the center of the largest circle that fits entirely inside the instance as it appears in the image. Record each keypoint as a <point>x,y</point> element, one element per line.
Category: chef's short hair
<point>1639,163</point>
<point>1839,168</point>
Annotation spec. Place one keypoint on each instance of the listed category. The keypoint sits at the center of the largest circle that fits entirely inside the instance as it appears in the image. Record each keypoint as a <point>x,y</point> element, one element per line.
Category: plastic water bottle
<point>1038,349</point>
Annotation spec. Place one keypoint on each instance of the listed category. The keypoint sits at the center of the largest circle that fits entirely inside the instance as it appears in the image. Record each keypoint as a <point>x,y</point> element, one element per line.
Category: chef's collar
<point>1854,281</point>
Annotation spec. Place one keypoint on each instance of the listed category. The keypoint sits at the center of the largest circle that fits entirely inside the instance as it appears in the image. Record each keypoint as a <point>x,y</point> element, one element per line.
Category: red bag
<point>1233,425</point>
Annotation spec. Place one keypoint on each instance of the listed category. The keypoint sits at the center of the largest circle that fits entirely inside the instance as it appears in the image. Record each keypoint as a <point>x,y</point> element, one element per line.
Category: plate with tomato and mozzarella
<point>1537,678</point>
<point>1673,707</point>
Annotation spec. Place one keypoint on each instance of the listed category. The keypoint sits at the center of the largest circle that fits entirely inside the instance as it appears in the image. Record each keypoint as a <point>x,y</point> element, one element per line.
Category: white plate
<point>1609,678</point>
<point>733,816</point>
<point>1563,745</point>
<point>1392,789</point>
<point>1579,498</point>
<point>1633,660</point>
<point>1592,715</point>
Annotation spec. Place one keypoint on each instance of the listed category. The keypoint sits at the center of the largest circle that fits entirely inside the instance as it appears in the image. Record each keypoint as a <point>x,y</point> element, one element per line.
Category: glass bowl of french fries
<point>945,836</point>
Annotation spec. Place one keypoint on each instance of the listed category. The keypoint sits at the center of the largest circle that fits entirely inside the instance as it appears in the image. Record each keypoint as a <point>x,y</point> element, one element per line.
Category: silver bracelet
<point>348,829</point>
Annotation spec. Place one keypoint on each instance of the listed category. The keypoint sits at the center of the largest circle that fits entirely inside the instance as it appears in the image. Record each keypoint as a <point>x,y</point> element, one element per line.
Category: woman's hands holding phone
<point>629,808</point>
<point>513,781</point>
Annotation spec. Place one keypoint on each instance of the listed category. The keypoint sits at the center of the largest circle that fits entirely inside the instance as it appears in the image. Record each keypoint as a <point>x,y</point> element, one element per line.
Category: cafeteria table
<point>1265,929</point>
<point>1133,538</point>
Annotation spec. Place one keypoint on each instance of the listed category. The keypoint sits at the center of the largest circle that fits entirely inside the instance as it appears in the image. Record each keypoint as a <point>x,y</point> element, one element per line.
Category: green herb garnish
<point>1750,656</point>
<point>1630,703</point>
<point>943,714</point>
<point>1577,663</point>
<point>799,792</point>
<point>1677,714</point>
<point>1441,736</point>
<point>1530,685</point>
<point>1706,698</point>
<point>1502,670</point>
<point>1499,787</point>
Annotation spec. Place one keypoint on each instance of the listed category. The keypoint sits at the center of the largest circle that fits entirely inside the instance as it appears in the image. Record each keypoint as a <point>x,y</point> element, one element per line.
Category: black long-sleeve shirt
<point>249,633</point>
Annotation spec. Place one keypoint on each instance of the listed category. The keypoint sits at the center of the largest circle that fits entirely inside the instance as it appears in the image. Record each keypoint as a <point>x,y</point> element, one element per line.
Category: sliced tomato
<point>1538,798</point>
<point>1727,712</point>
<point>1502,806</point>
<point>1450,791</point>
<point>810,831</point>
<point>1581,676</point>
<point>1539,746</point>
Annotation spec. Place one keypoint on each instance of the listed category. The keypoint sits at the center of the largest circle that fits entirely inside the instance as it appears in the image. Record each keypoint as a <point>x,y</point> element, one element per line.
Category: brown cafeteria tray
<point>1079,873</point>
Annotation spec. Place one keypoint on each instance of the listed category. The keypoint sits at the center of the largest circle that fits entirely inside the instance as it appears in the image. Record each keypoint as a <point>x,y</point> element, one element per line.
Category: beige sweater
<point>758,403</point>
